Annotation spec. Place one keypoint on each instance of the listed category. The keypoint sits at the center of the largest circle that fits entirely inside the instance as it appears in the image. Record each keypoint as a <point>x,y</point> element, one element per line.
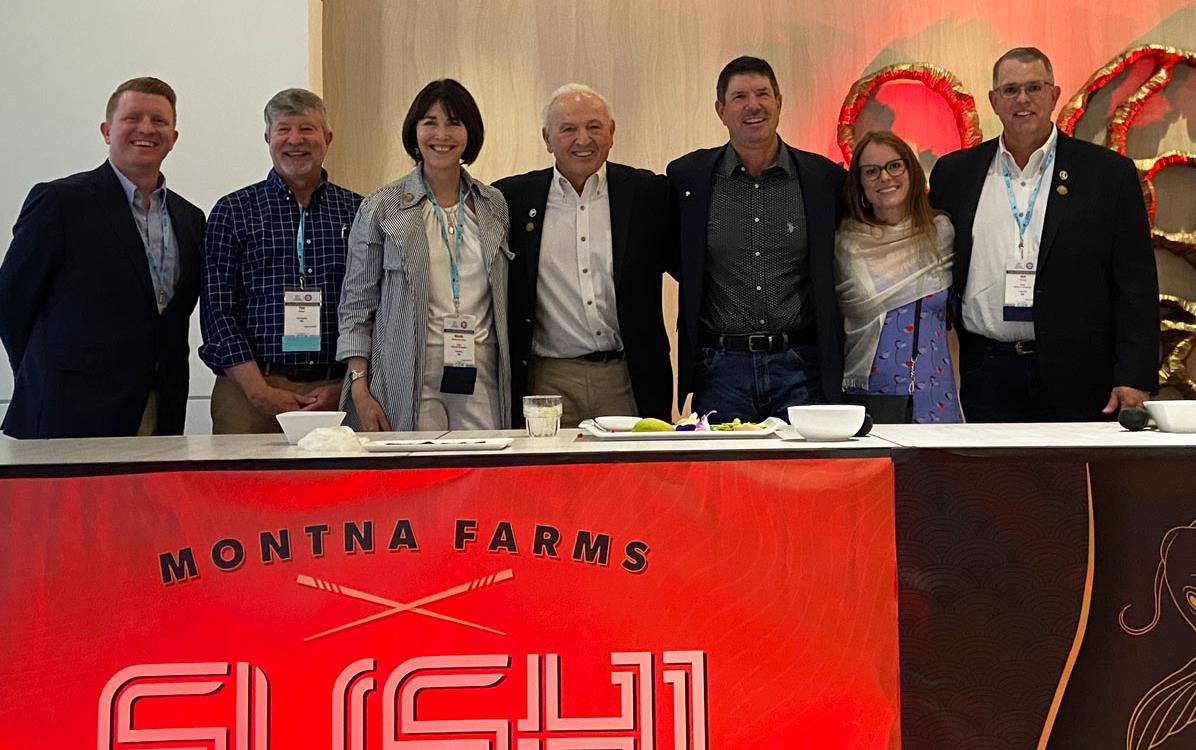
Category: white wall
<point>225,58</point>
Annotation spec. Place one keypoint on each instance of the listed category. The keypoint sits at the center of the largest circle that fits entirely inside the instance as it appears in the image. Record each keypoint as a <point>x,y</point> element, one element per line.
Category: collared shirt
<point>575,291</point>
<point>250,258</point>
<point>995,241</point>
<point>165,251</point>
<point>757,256</point>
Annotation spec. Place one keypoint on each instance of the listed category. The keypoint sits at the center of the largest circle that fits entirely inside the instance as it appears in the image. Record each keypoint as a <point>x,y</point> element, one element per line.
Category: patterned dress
<point>934,382</point>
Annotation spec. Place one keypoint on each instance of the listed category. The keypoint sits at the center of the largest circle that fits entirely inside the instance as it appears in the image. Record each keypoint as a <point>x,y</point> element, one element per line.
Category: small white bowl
<point>296,424</point>
<point>616,424</point>
<point>827,421</point>
<point>1173,416</point>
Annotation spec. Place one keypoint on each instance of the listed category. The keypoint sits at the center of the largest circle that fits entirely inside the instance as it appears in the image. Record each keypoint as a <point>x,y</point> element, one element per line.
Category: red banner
<point>645,606</point>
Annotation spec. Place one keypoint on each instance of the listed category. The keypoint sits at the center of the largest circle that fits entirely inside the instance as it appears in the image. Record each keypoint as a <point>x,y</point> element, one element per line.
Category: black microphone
<point>866,427</point>
<point>1134,418</point>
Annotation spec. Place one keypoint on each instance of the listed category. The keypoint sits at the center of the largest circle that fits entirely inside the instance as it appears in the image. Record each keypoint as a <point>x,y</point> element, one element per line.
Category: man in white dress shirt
<point>591,242</point>
<point>1054,272</point>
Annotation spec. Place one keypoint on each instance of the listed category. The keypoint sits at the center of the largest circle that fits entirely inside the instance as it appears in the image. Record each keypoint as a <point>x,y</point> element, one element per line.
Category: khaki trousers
<point>587,389</point>
<point>232,414</point>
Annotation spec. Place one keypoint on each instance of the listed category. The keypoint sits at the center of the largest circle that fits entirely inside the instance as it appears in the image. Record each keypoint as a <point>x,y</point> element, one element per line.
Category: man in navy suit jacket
<point>98,286</point>
<point>759,327</point>
<point>1057,293</point>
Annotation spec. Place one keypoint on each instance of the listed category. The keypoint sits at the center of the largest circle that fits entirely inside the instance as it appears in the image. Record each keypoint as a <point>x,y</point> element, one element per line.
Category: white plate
<point>440,444</point>
<point>588,427</point>
<point>617,424</point>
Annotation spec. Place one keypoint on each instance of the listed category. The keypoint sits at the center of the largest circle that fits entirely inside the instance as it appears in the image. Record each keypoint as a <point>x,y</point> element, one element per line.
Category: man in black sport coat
<point>759,327</point>
<point>591,241</point>
<point>1055,280</point>
<point>98,286</point>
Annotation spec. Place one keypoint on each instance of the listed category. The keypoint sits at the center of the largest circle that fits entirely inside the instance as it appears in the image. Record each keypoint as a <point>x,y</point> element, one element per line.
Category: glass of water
<point>543,415</point>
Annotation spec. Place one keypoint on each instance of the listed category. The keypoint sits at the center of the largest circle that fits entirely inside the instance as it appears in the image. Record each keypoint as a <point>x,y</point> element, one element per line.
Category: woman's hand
<point>369,411</point>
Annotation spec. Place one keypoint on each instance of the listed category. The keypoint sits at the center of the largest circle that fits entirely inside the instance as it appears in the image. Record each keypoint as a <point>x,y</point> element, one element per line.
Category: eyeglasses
<point>1033,88</point>
<point>871,172</point>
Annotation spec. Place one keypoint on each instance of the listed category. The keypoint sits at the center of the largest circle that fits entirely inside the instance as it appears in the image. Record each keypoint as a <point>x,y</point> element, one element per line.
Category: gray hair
<point>1025,55</point>
<point>574,88</point>
<point>294,102</point>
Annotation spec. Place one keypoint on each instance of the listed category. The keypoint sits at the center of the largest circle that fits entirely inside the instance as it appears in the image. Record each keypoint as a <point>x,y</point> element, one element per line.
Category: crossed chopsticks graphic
<point>396,608</point>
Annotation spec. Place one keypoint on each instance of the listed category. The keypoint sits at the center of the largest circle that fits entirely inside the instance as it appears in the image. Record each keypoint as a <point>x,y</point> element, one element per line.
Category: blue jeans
<point>755,385</point>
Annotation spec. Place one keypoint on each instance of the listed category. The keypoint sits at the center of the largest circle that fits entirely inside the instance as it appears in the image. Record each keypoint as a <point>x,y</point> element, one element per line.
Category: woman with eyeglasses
<point>893,273</point>
<point>422,315</point>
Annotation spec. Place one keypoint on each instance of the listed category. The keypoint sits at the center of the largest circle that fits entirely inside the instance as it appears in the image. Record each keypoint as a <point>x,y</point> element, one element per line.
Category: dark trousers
<point>998,384</point>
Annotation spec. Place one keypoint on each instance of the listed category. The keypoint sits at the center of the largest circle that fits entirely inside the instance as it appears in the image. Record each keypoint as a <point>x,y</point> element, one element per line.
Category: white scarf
<point>878,269</point>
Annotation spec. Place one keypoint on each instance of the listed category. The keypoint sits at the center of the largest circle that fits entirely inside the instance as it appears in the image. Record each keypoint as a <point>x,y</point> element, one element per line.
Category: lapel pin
<point>1063,174</point>
<point>530,226</point>
<point>408,197</point>
<point>1061,190</point>
<point>532,213</point>
<point>686,193</point>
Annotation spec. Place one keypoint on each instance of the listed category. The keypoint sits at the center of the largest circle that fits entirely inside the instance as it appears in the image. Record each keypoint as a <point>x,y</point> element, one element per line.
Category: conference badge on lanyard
<point>1020,271</point>
<point>460,331</point>
<point>301,320</point>
<point>300,305</point>
<point>1019,291</point>
<point>460,354</point>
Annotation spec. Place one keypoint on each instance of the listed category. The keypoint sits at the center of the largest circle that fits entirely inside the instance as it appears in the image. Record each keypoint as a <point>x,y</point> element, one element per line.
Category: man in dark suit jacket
<point>591,240</point>
<point>759,324</point>
<point>1057,293</point>
<point>98,285</point>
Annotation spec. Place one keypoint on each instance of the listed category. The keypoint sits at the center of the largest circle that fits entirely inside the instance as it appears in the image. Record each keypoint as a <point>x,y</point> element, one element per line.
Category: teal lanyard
<point>1023,220</point>
<point>299,244</point>
<point>454,248</point>
<point>156,263</point>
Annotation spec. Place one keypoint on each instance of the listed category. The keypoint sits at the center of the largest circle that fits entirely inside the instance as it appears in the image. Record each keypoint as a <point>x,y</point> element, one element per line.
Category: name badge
<point>301,320</point>
<point>460,352</point>
<point>1019,291</point>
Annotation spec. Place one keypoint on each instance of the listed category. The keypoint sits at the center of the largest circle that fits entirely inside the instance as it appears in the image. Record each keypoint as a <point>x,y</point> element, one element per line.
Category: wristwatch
<point>355,375</point>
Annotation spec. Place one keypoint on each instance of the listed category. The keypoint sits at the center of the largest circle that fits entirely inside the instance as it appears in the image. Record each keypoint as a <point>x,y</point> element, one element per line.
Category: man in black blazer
<point>1057,293</point>
<point>98,285</point>
<point>759,324</point>
<point>591,241</point>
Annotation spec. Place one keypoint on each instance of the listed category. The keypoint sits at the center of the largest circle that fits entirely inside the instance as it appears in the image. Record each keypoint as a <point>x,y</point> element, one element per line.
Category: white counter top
<point>1030,435</point>
<point>236,448</point>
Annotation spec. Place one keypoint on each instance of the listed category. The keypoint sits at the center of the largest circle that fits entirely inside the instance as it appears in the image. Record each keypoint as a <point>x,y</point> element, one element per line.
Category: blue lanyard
<point>454,248</point>
<point>1023,220</point>
<point>155,263</point>
<point>299,243</point>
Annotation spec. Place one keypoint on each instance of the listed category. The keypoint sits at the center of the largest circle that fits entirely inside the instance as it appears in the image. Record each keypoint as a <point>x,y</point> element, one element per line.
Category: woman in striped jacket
<point>423,309</point>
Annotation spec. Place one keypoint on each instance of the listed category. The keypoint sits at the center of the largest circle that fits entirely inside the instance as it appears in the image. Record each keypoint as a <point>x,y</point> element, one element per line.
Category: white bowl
<point>827,421</point>
<point>616,424</point>
<point>296,424</point>
<point>1173,416</point>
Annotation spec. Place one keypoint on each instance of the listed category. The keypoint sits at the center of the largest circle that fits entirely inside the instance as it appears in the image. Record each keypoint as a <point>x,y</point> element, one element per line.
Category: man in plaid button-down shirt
<point>257,238</point>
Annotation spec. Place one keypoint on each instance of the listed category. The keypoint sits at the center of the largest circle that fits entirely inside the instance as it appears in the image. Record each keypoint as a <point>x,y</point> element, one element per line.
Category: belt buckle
<point>766,338</point>
<point>1022,348</point>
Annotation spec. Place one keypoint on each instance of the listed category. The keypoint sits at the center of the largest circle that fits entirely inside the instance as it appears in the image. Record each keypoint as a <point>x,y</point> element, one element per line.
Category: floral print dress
<point>935,397</point>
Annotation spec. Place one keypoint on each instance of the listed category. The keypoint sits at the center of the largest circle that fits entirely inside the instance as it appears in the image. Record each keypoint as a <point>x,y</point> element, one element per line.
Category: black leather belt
<point>1007,348</point>
<point>610,356</point>
<point>304,373</point>
<point>758,342</point>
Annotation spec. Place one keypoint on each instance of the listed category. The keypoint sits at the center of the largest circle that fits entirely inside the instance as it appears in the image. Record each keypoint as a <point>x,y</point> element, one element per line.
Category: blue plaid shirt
<point>249,258</point>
